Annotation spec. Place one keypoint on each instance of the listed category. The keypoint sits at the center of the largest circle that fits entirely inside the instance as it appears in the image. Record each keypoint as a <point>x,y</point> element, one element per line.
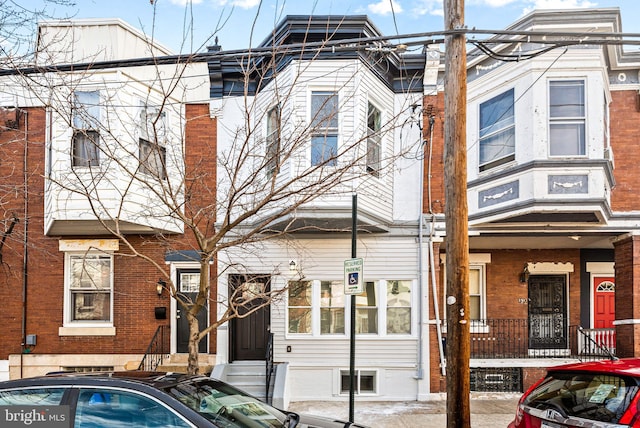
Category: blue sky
<point>232,20</point>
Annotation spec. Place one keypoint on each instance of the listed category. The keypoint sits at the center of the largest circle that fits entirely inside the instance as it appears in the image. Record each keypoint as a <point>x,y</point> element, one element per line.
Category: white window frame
<point>68,301</point>
<point>476,261</point>
<point>311,307</point>
<point>376,307</point>
<point>358,373</point>
<point>580,121</point>
<point>273,136</point>
<point>85,134</point>
<point>374,141</point>
<point>503,126</point>
<point>318,131</point>
<point>152,159</point>
<point>380,287</point>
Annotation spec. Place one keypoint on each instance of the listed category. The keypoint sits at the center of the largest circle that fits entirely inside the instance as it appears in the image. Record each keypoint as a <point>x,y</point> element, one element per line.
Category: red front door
<point>604,302</point>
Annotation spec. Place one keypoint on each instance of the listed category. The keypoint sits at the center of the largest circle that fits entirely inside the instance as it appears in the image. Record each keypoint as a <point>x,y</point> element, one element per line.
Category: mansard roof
<point>317,38</point>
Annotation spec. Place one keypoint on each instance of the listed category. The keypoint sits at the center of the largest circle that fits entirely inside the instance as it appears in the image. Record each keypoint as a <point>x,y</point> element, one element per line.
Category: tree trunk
<point>194,332</point>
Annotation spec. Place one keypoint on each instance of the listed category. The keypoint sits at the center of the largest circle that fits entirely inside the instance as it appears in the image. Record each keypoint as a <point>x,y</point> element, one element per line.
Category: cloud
<point>383,7</point>
<point>244,4</point>
<point>428,7</point>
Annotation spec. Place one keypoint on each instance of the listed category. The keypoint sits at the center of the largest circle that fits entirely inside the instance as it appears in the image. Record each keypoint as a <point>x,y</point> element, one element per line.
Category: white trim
<point>550,268</point>
<point>88,244</point>
<point>86,331</point>
<point>631,321</point>
<point>601,268</point>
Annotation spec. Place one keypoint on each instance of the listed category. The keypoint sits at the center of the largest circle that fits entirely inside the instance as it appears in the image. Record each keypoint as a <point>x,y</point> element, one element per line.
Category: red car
<point>601,394</point>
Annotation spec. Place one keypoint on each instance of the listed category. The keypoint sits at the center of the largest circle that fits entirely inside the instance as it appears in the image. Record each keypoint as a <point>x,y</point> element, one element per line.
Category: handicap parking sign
<point>353,276</point>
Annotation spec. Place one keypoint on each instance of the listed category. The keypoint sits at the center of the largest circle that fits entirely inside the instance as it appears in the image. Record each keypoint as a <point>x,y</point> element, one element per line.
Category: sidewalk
<point>486,412</point>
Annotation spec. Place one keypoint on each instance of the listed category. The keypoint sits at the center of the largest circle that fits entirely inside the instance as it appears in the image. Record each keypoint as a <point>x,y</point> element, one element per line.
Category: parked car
<point>593,394</point>
<point>143,399</point>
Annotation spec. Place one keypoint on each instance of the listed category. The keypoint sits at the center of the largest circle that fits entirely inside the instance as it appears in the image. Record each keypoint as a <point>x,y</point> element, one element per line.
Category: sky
<point>239,24</point>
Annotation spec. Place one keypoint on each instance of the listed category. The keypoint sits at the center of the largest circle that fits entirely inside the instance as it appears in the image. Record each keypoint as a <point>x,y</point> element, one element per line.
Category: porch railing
<point>157,350</point>
<point>269,369</point>
<point>510,338</point>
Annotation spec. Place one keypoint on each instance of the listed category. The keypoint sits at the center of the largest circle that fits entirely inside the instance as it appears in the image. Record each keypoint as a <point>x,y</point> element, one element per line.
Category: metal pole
<point>352,341</point>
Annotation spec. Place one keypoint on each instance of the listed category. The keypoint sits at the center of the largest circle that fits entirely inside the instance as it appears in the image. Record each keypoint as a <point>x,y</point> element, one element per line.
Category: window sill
<point>87,331</point>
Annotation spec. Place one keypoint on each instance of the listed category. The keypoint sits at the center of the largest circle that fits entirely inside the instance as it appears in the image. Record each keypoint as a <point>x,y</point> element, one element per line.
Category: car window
<point>224,404</point>
<point>597,397</point>
<point>31,397</point>
<point>119,409</point>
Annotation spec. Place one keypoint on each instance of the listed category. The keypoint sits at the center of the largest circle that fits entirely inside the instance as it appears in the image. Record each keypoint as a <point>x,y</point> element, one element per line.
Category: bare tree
<point>198,192</point>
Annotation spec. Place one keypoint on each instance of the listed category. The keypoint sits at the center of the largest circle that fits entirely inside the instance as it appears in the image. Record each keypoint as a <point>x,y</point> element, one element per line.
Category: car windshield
<point>593,396</point>
<point>225,405</point>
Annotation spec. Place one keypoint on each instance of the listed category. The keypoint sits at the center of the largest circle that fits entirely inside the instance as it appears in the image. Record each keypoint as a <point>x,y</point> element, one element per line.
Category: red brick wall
<point>12,203</point>
<point>625,121</point>
<point>627,265</point>
<point>135,296</point>
<point>504,291</point>
<point>434,154</point>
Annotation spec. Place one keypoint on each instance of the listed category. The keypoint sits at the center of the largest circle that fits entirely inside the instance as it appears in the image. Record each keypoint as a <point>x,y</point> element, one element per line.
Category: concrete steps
<point>248,376</point>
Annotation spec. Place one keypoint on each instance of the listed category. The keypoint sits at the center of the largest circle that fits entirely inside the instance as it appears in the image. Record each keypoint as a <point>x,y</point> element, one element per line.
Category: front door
<point>547,312</point>
<point>604,302</point>
<point>250,334</point>
<point>188,283</point>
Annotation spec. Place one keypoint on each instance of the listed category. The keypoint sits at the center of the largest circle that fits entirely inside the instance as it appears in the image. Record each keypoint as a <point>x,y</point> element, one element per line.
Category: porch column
<point>627,323</point>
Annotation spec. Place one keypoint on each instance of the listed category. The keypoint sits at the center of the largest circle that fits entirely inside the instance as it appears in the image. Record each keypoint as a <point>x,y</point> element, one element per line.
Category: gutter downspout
<point>25,249</point>
<point>432,267</point>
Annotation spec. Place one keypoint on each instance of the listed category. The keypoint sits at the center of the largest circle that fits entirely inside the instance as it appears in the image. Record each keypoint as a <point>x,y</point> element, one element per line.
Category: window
<point>324,123</point>
<point>273,141</point>
<point>86,135</point>
<point>365,382</point>
<point>567,118</point>
<point>32,397</point>
<point>111,408</point>
<point>90,287</point>
<point>331,307</point>
<point>374,140</point>
<point>153,123</point>
<point>299,294</point>
<point>153,159</point>
<point>398,307</point>
<point>476,293</point>
<point>497,131</point>
<point>367,310</point>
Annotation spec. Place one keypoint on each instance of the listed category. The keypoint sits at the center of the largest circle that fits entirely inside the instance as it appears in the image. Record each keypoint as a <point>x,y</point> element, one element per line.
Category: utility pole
<point>456,218</point>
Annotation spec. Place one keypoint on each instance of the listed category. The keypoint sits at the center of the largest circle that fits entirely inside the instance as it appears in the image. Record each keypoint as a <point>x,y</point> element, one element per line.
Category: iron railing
<point>157,350</point>
<point>510,338</point>
<point>269,370</point>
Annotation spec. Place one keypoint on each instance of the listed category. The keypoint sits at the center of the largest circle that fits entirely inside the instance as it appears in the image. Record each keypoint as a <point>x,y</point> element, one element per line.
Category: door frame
<point>553,268</point>
<point>174,268</point>
<point>597,269</point>
<point>267,281</point>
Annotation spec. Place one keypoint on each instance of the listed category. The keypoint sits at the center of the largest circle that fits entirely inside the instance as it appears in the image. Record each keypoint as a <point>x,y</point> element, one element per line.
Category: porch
<point>520,338</point>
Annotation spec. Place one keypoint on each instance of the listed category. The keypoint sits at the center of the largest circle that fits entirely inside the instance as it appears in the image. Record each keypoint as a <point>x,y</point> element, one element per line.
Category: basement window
<point>366,382</point>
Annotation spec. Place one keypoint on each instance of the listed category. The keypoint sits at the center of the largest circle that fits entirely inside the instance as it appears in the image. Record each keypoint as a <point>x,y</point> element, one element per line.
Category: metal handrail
<point>156,351</point>
<point>511,338</point>
<point>269,369</point>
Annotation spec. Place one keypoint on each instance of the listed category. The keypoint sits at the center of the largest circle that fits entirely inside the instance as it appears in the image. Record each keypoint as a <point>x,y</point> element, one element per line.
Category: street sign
<point>353,283</point>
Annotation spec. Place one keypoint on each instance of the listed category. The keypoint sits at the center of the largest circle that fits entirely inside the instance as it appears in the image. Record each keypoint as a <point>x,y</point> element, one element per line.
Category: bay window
<point>85,120</point>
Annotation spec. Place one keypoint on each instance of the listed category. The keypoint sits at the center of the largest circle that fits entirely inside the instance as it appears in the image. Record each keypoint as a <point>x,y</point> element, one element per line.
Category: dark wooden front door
<point>250,335</point>
<point>547,312</point>
<point>188,282</point>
